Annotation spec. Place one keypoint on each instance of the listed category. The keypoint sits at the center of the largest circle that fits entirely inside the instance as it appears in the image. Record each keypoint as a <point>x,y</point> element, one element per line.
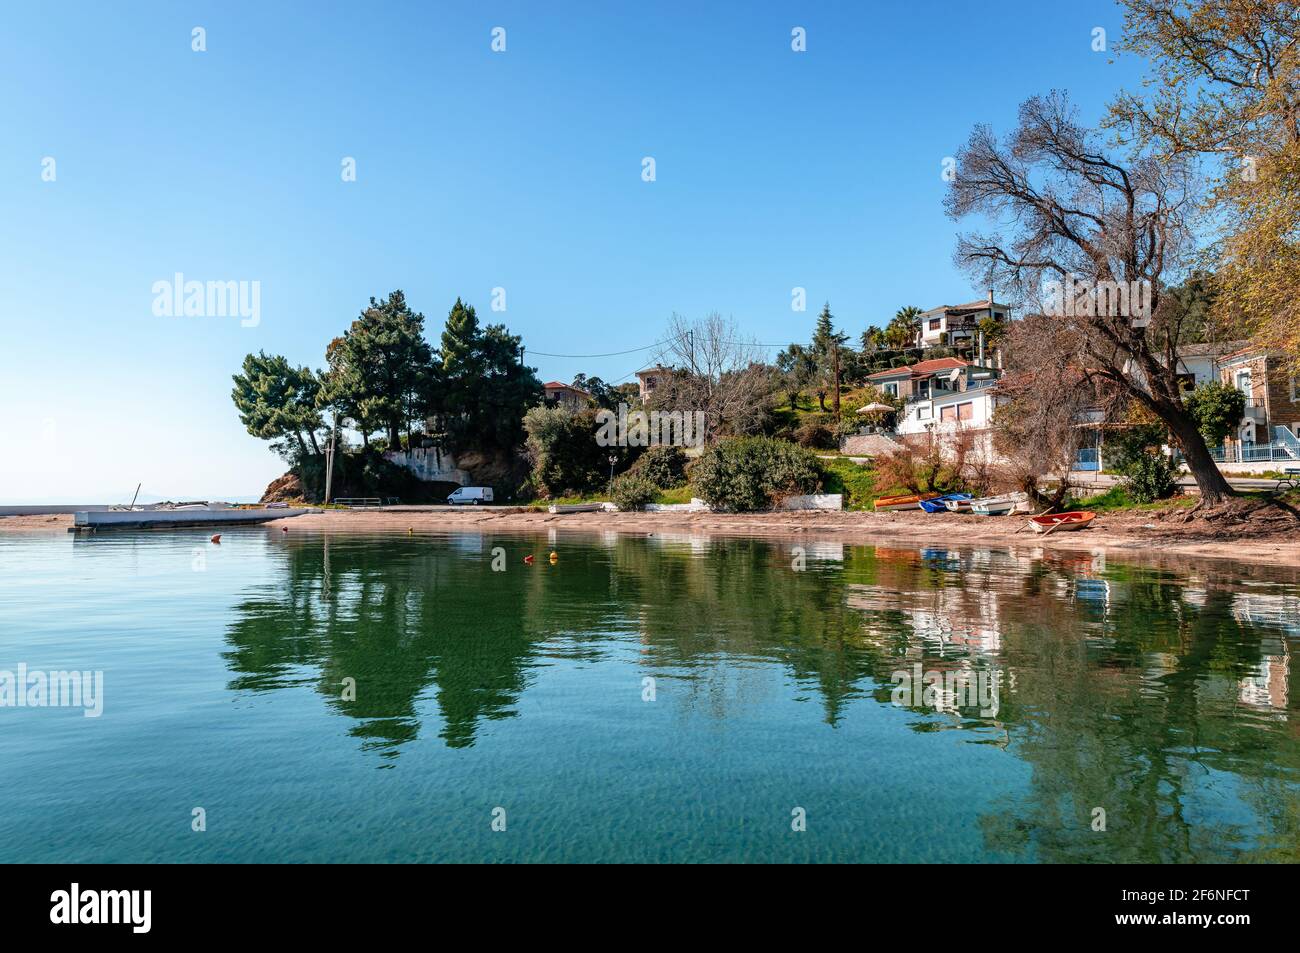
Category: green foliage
<point>795,368</point>
<point>1150,477</point>
<point>745,474</point>
<point>277,401</point>
<point>633,490</point>
<point>1126,447</point>
<point>480,387</point>
<point>1216,408</point>
<point>817,432</point>
<point>567,460</point>
<point>381,367</point>
<point>856,483</point>
<point>664,467</point>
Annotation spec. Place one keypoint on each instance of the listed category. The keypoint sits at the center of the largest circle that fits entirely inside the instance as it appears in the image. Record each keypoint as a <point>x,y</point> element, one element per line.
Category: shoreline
<point>1132,533</point>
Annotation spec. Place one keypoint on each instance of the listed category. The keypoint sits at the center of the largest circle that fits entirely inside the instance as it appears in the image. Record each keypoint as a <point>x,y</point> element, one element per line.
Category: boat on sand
<point>1000,505</point>
<point>908,501</point>
<point>1064,522</point>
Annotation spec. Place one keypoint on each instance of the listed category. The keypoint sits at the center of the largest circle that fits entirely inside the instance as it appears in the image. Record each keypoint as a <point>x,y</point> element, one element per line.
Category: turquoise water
<point>1161,695</point>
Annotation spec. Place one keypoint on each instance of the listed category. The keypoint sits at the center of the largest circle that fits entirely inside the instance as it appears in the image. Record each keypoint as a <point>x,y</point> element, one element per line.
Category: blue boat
<point>940,503</point>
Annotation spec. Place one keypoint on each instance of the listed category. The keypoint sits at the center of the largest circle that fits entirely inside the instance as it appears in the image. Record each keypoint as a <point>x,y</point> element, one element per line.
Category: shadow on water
<point>1158,695</point>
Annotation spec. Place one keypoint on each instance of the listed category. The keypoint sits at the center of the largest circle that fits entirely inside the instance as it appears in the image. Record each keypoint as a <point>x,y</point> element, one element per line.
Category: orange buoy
<point>528,560</point>
<point>217,539</point>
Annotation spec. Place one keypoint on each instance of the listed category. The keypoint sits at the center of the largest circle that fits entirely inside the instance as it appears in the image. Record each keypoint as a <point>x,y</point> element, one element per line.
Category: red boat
<point>1065,522</point>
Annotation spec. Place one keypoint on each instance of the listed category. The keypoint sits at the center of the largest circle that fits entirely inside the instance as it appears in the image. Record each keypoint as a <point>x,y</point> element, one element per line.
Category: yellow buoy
<point>555,557</point>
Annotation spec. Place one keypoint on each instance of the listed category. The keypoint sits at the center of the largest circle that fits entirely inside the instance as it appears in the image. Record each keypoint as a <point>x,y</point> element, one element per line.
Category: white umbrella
<point>875,408</point>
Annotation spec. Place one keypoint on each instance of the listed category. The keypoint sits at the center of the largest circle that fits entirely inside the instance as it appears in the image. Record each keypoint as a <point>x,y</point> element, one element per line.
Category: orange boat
<point>909,502</point>
<point>1065,522</point>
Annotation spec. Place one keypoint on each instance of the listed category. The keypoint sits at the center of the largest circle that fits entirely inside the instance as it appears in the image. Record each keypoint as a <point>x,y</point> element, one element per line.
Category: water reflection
<point>1160,695</point>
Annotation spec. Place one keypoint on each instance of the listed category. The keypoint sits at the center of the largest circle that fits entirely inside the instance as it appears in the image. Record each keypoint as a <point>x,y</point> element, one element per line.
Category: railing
<point>1252,453</point>
<point>1288,441</point>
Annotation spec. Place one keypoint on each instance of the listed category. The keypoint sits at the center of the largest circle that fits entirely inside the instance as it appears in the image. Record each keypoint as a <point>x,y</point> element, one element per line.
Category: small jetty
<point>94,520</point>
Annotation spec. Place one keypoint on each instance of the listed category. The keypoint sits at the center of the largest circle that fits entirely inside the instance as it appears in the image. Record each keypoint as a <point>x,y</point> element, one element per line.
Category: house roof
<point>657,369</point>
<point>1219,349</point>
<point>922,369</point>
<point>559,385</point>
<point>981,305</point>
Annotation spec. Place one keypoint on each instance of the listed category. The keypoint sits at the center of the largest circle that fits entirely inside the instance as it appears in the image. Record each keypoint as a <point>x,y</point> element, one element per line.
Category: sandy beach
<point>1275,541</point>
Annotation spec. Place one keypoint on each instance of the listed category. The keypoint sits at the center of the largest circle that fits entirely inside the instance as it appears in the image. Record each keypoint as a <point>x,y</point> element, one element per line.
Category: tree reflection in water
<point>1159,695</point>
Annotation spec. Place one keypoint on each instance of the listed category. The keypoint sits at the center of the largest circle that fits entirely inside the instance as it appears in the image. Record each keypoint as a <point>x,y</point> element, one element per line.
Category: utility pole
<point>835,349</point>
<point>329,459</point>
<point>691,335</point>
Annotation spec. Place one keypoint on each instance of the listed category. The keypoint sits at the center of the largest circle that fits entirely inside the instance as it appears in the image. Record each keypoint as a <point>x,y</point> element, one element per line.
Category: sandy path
<point>1134,533</point>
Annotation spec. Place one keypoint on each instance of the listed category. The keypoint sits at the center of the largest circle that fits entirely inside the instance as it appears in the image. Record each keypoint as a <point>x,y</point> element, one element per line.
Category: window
<point>1295,388</point>
<point>924,412</point>
<point>891,389</point>
<point>936,324</point>
<point>1243,382</point>
<point>958,412</point>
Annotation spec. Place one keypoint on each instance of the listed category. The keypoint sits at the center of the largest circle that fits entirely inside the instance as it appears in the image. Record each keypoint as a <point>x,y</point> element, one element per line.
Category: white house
<point>957,325</point>
<point>952,415</point>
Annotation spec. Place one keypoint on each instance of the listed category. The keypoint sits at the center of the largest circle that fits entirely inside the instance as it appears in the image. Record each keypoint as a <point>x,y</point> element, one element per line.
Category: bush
<point>1150,477</point>
<point>566,458</point>
<point>632,490</point>
<point>1216,408</point>
<point>744,474</point>
<point>664,467</point>
<point>816,433</point>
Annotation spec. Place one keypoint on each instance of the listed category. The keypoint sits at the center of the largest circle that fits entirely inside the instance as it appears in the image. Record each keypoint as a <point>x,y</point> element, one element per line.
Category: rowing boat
<point>1064,522</point>
<point>958,503</point>
<point>1000,505</point>
<point>940,503</point>
<point>908,502</point>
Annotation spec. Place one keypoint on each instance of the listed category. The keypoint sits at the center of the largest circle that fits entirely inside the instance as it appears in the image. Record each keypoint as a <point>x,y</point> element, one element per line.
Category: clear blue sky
<point>475,170</point>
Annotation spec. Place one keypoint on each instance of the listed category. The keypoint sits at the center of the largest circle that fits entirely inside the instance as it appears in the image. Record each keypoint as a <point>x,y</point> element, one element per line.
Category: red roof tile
<point>923,368</point>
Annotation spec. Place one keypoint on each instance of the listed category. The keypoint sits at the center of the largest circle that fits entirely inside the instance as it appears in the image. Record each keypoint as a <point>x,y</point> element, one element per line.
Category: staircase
<point>1287,442</point>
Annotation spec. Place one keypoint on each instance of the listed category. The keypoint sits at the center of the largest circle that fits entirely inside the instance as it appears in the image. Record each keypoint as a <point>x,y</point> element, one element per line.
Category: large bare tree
<point>717,370</point>
<point>1069,217</point>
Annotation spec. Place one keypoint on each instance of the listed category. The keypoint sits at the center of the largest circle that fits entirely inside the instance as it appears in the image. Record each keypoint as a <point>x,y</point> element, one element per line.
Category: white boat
<point>1001,505</point>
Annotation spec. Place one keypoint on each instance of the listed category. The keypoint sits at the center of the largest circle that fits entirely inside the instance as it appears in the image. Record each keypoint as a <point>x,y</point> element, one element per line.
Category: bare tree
<point>1038,430</point>
<point>1071,216</point>
<point>718,371</point>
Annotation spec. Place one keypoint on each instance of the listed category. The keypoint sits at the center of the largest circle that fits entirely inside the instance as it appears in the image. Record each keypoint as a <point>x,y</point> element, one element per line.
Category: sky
<point>475,169</point>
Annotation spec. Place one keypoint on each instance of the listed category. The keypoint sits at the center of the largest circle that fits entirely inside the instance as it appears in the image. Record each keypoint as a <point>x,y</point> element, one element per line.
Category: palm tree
<point>901,331</point>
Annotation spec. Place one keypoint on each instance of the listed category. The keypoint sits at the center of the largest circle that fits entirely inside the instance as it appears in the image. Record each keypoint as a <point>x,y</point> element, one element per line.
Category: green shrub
<point>567,460</point>
<point>744,474</point>
<point>665,467</point>
<point>816,432</point>
<point>1150,477</point>
<point>632,490</point>
<point>1216,408</point>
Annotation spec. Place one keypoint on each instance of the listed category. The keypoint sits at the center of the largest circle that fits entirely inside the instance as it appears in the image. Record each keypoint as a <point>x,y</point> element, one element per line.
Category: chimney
<point>990,297</point>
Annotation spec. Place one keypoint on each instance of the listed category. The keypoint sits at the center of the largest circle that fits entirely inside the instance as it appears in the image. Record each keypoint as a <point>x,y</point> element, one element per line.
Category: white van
<point>470,494</point>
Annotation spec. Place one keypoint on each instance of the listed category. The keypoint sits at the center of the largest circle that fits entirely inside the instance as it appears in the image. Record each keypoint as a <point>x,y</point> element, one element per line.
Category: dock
<point>94,520</point>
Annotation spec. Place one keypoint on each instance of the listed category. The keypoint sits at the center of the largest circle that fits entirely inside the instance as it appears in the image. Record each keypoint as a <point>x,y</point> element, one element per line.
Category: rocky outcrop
<point>284,489</point>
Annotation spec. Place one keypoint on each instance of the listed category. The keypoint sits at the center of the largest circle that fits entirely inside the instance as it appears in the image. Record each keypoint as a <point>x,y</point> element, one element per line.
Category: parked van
<point>470,494</point>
